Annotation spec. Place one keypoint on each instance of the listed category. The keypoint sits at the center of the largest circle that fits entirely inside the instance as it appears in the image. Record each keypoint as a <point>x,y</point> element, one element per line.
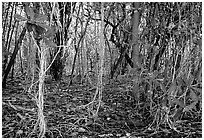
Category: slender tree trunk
<point>40,96</point>
<point>5,18</point>
<point>13,57</point>
<point>40,102</point>
<point>12,72</point>
<point>7,45</point>
<point>9,28</point>
<point>21,61</point>
<point>101,48</point>
<point>84,49</point>
<point>135,50</point>
<point>77,47</point>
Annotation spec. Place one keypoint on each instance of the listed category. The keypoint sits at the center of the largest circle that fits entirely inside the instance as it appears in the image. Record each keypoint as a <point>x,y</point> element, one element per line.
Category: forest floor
<point>118,115</point>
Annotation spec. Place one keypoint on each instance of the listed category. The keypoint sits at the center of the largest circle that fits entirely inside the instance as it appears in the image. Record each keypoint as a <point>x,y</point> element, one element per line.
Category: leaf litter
<point>118,115</point>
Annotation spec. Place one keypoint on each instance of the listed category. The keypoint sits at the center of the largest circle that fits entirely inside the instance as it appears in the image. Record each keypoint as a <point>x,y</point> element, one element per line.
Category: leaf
<point>193,96</point>
<point>128,134</point>
<point>44,26</point>
<point>199,90</point>
<point>190,107</point>
<point>177,115</point>
<point>49,43</point>
<point>199,19</point>
<point>89,122</point>
<point>147,46</point>
<point>19,132</point>
<point>59,24</point>
<point>172,88</point>
<point>50,33</point>
<point>29,12</point>
<point>52,44</point>
<point>74,134</point>
<point>19,17</point>
<point>40,30</point>
<point>178,102</point>
<point>171,25</point>
<point>133,71</point>
<point>180,81</point>
<point>190,80</point>
<point>198,42</point>
<point>81,129</point>
<point>5,52</point>
<point>40,18</point>
<point>163,88</point>
<point>29,27</point>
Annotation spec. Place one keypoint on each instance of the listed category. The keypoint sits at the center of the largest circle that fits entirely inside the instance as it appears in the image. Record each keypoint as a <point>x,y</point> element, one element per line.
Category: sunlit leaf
<point>19,17</point>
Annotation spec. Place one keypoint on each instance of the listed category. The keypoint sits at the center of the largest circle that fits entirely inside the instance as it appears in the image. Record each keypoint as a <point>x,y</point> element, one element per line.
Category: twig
<point>18,107</point>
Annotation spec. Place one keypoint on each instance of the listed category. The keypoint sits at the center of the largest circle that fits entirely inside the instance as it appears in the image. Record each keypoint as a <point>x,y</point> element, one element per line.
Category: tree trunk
<point>13,57</point>
<point>101,48</point>
<point>77,46</point>
<point>135,50</point>
<point>4,18</point>
<point>8,37</point>
<point>40,99</point>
